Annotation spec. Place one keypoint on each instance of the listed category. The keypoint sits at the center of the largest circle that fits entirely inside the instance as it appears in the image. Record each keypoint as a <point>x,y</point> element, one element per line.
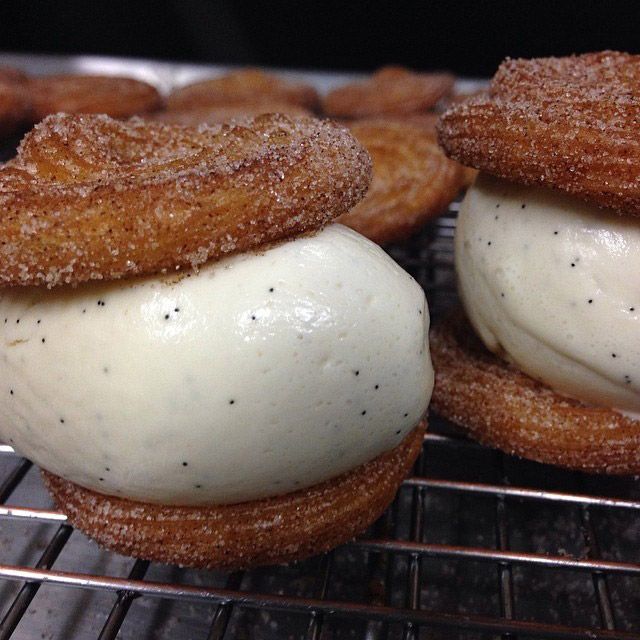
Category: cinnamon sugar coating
<point>238,536</point>
<point>245,86</point>
<point>390,90</point>
<point>566,123</point>
<point>115,96</point>
<point>502,407</point>
<point>412,180</point>
<point>91,198</point>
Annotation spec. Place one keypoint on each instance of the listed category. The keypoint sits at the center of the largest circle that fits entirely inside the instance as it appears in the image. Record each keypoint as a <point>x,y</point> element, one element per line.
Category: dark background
<point>467,37</point>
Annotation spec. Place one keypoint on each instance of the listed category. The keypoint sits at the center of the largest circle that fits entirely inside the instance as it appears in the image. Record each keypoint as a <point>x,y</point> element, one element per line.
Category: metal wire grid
<point>461,553</point>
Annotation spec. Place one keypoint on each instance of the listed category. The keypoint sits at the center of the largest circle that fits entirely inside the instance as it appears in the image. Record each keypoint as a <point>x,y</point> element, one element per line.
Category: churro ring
<point>502,407</point>
<point>225,113</point>
<point>14,107</point>
<point>412,181</point>
<point>390,90</point>
<point>246,86</point>
<point>115,96</point>
<point>235,536</point>
<point>15,104</point>
<point>428,121</point>
<point>12,75</point>
<point>92,198</point>
<point>566,123</point>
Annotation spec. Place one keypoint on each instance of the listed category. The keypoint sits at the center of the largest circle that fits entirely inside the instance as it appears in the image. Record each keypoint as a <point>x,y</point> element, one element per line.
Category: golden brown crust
<point>390,90</point>
<point>428,122</point>
<point>412,181</point>
<point>90,198</point>
<point>504,408</point>
<point>115,96</point>
<point>469,175</point>
<point>244,86</point>
<point>566,123</point>
<point>237,536</point>
<point>225,113</point>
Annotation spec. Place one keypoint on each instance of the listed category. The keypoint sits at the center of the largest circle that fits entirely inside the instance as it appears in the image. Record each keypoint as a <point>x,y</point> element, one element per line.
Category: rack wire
<point>476,545</point>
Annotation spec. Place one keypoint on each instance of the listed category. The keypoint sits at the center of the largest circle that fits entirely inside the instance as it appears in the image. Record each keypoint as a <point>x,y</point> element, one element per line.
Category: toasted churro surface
<point>92,198</point>
<point>565,123</point>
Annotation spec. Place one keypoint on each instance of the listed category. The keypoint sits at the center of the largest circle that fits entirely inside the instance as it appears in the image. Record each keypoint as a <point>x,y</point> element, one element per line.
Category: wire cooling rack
<point>476,545</point>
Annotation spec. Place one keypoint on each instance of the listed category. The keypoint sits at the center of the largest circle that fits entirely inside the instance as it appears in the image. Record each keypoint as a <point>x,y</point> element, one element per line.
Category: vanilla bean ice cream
<point>261,374</point>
